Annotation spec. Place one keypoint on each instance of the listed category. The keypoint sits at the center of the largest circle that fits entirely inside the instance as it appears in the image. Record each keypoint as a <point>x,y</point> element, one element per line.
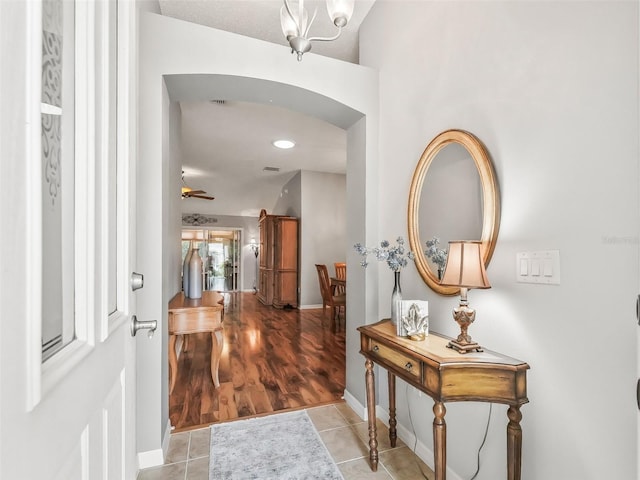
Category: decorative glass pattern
<point>57,156</point>
<point>51,140</point>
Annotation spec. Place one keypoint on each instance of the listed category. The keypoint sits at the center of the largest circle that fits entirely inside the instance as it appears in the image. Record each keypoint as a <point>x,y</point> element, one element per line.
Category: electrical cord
<point>484,439</point>
<point>415,443</point>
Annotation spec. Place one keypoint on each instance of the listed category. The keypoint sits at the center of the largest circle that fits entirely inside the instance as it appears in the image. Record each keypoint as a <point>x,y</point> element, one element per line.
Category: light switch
<point>538,267</point>
<point>535,267</point>
<point>548,268</point>
<point>524,267</point>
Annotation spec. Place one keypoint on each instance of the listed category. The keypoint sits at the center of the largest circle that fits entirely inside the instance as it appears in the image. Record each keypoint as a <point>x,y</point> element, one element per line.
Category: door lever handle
<point>136,325</point>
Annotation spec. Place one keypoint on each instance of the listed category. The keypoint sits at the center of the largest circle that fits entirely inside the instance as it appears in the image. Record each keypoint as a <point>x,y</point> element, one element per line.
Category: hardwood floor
<point>272,360</point>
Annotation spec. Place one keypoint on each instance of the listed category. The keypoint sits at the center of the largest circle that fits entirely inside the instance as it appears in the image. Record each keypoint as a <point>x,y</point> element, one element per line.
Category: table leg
<point>440,441</point>
<point>217,342</point>
<point>173,362</point>
<point>371,414</point>
<point>393,435</point>
<point>514,443</point>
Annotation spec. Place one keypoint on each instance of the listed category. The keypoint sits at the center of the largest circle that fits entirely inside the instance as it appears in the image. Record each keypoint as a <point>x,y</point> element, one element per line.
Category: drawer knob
<point>375,348</point>
<point>408,366</point>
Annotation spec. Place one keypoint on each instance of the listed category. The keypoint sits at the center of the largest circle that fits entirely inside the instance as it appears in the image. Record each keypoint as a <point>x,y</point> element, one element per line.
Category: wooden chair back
<point>325,283</point>
<point>341,270</point>
<point>334,300</point>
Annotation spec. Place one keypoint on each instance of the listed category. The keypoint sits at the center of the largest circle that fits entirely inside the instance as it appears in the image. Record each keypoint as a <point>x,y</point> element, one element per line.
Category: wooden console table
<point>446,376</point>
<point>193,315</point>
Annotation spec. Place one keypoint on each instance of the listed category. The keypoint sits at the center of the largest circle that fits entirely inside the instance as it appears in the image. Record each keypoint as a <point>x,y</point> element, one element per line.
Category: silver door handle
<point>137,281</point>
<point>136,325</point>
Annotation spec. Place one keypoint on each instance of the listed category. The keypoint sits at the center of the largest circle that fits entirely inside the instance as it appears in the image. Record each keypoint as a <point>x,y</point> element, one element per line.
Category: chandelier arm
<point>288,7</point>
<point>325,39</point>
<point>315,13</point>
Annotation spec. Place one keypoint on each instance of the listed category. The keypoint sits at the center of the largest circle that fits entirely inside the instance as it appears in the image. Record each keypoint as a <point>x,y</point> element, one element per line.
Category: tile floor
<point>342,431</point>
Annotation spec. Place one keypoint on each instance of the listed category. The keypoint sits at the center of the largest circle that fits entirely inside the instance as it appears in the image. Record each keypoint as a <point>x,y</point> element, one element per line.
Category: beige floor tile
<point>198,469</point>
<point>200,443</point>
<point>178,448</point>
<point>382,435</point>
<point>326,418</point>
<point>343,444</point>
<point>360,470</point>
<point>403,464</point>
<point>347,412</point>
<point>175,471</point>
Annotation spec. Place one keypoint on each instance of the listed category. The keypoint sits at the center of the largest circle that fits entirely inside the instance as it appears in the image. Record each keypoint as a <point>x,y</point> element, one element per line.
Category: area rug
<point>284,446</point>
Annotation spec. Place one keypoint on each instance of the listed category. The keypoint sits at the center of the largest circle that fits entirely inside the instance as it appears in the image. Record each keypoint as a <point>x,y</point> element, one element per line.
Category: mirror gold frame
<point>490,202</point>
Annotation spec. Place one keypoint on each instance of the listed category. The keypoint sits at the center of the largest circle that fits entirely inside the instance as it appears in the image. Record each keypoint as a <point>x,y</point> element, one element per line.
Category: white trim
<point>166,438</point>
<point>355,405</point>
<point>33,198</point>
<point>85,174</point>
<point>310,307</point>
<point>151,458</point>
<point>155,458</point>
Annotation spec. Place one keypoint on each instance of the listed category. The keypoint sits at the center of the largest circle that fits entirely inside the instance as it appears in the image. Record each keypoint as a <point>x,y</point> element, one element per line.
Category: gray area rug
<point>284,446</point>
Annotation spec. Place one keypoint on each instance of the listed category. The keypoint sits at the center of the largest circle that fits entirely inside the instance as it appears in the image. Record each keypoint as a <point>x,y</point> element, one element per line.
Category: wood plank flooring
<point>272,360</point>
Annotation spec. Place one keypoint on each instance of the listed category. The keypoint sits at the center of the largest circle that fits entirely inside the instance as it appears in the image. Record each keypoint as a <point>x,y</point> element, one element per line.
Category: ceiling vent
<point>218,102</point>
<point>271,169</point>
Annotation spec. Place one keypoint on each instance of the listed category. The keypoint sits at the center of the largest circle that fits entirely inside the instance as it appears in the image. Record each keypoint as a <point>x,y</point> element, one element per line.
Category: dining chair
<point>341,274</point>
<point>329,296</point>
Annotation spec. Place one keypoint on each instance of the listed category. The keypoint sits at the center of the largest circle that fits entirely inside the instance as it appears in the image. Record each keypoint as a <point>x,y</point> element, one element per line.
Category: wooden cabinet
<point>278,272</point>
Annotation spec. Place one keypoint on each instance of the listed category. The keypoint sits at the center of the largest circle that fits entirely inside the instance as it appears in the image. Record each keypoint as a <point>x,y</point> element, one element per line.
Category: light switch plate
<point>538,267</point>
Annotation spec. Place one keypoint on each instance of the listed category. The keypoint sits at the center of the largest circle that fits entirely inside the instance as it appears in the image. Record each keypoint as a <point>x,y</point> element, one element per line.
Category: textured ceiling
<point>261,19</point>
<point>226,147</point>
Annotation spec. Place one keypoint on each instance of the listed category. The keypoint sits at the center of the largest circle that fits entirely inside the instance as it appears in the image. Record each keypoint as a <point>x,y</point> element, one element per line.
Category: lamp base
<point>464,347</point>
<point>464,316</point>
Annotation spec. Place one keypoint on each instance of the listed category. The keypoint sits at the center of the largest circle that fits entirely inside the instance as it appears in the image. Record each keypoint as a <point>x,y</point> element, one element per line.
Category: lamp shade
<point>292,26</point>
<point>465,266</point>
<point>340,11</point>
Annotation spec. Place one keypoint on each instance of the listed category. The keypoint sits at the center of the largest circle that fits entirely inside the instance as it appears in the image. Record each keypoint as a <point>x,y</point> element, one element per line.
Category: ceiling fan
<point>188,192</point>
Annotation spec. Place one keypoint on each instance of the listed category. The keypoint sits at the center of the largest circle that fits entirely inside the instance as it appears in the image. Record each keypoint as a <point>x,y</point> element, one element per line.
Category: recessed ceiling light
<point>283,144</point>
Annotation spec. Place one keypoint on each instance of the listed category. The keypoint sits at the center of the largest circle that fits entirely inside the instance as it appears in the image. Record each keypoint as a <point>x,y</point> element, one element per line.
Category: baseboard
<point>406,435</point>
<point>355,405</point>
<point>155,458</point>
<point>309,307</point>
<point>152,458</point>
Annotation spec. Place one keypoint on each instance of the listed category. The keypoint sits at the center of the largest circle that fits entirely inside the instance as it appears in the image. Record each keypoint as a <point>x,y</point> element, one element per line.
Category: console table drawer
<point>404,362</point>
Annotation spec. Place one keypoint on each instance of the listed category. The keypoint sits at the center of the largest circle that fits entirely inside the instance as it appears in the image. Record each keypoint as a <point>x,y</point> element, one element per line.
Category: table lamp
<point>465,269</point>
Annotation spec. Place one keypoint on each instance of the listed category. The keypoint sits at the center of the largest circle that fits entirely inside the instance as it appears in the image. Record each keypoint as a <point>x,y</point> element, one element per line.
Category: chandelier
<point>295,23</point>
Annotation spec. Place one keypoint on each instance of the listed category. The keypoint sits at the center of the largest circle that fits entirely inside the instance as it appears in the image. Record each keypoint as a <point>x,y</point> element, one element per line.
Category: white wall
<point>551,88</point>
<point>323,234</point>
<point>334,90</point>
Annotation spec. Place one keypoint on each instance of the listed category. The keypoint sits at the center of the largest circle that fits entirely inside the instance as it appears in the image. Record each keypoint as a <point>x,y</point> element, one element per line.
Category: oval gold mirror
<point>453,196</point>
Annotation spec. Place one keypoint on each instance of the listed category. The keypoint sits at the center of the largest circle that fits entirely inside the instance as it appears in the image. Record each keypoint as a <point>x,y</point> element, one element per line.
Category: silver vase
<point>396,303</point>
<point>195,275</point>
<point>185,270</point>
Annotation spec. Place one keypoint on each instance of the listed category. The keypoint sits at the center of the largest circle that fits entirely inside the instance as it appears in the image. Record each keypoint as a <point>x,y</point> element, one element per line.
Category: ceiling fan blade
<point>202,196</point>
<point>195,192</point>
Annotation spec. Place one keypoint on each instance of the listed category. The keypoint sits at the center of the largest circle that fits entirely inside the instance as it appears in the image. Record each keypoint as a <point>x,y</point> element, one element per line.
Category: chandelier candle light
<point>296,24</point>
<point>465,269</point>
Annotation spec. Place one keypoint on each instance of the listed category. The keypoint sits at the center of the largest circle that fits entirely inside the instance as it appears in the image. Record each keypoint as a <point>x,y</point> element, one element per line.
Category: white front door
<point>67,358</point>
